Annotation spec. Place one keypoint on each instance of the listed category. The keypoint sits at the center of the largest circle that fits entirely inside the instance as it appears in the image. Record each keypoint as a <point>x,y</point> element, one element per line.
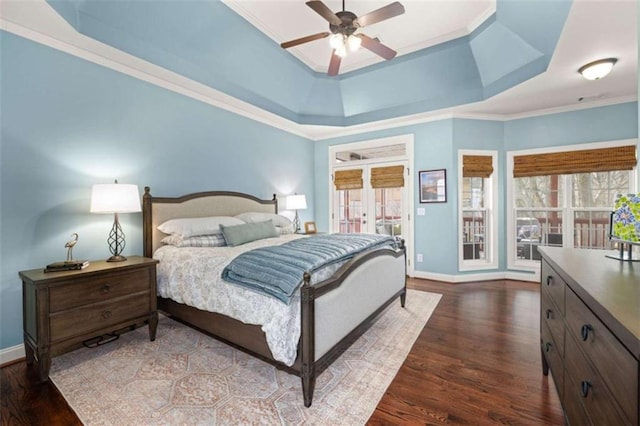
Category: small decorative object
<point>296,202</point>
<point>625,226</point>
<point>115,198</point>
<point>433,186</point>
<point>310,228</point>
<point>69,245</point>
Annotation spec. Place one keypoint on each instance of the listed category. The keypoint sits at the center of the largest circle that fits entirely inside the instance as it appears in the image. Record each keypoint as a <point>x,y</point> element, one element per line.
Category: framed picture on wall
<point>433,186</point>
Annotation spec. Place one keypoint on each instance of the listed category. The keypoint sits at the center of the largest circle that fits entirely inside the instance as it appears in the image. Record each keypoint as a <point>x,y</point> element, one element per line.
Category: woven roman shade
<point>348,179</point>
<point>387,177</point>
<point>477,166</point>
<point>585,161</point>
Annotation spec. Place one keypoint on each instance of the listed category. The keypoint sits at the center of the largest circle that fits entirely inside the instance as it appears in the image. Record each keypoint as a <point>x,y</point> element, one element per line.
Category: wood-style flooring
<point>477,361</point>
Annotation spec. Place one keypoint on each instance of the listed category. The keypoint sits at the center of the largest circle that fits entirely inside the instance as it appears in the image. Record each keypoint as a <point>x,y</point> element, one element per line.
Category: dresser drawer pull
<point>106,288</point>
<point>106,314</point>
<point>547,347</point>
<point>549,280</point>
<point>586,385</point>
<point>584,331</point>
<point>549,313</point>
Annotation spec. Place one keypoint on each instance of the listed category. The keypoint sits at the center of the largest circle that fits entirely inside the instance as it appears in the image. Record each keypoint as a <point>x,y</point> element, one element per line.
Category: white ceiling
<point>425,23</point>
<point>595,29</point>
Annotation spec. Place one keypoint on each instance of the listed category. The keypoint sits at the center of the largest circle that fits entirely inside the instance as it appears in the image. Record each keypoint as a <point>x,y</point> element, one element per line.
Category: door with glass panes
<point>371,198</point>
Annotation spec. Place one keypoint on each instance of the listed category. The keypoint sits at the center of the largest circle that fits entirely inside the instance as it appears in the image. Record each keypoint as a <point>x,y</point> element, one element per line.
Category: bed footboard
<point>337,311</point>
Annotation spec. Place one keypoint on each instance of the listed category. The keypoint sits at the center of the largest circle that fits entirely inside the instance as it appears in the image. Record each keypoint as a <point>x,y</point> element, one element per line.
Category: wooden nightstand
<point>61,310</point>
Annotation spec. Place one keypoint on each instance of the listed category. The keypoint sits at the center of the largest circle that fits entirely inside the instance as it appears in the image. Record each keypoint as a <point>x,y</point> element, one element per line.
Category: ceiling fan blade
<point>376,47</point>
<point>301,40</point>
<point>385,12</point>
<point>324,11</point>
<point>334,65</point>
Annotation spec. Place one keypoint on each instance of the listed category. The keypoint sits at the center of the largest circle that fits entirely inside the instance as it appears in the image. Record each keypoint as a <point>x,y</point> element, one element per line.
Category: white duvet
<point>191,275</point>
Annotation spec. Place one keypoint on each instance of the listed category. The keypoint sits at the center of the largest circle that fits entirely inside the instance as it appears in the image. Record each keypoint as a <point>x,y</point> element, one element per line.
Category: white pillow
<point>188,227</point>
<point>255,217</point>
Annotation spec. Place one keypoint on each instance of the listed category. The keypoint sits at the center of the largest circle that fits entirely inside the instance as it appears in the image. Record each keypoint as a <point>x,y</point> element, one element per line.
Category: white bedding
<point>191,275</point>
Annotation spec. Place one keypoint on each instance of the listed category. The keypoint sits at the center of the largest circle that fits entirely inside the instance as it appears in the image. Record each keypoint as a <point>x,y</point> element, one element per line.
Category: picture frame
<point>433,186</point>
<point>310,228</point>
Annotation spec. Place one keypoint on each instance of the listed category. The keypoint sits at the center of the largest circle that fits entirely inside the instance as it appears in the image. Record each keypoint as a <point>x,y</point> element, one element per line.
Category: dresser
<point>65,310</point>
<point>590,334</point>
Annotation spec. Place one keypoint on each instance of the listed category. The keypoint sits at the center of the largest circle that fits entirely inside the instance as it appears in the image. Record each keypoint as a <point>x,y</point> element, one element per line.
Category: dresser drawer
<point>551,316</point>
<point>554,359</point>
<point>553,285</point>
<point>572,404</point>
<point>614,363</point>
<point>587,386</point>
<point>88,290</point>
<point>83,320</point>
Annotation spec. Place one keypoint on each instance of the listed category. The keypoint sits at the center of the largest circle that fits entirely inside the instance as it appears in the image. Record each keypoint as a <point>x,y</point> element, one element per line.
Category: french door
<point>371,198</point>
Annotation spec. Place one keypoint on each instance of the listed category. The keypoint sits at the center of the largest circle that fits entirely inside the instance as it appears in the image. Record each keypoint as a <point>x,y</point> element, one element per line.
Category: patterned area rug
<point>186,377</point>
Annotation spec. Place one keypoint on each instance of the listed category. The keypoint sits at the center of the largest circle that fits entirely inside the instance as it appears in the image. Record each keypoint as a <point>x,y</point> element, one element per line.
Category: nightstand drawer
<point>88,290</point>
<point>615,364</point>
<point>79,321</point>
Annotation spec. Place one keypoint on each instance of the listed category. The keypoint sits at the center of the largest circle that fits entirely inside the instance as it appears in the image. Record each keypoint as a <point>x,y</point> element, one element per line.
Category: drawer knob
<point>549,312</point>
<point>586,384</point>
<point>106,288</point>
<point>547,347</point>
<point>106,314</point>
<point>549,280</point>
<point>584,331</point>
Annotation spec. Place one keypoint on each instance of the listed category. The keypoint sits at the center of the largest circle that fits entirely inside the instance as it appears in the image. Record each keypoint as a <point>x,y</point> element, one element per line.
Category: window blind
<point>387,177</point>
<point>348,179</point>
<point>477,166</point>
<point>583,161</point>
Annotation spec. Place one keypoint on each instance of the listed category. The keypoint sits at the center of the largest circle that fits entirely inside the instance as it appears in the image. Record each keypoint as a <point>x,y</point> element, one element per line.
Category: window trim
<point>491,208</point>
<point>533,265</point>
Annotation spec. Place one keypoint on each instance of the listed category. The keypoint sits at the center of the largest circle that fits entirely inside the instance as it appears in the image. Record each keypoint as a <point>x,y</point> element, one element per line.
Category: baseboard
<point>12,354</point>
<point>481,276</point>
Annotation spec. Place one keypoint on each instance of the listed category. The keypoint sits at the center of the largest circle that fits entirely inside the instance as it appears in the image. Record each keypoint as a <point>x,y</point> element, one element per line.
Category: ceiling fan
<point>343,25</point>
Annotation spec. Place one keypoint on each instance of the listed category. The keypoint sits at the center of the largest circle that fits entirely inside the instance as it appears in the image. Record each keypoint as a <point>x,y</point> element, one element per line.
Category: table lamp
<point>296,202</point>
<point>115,198</point>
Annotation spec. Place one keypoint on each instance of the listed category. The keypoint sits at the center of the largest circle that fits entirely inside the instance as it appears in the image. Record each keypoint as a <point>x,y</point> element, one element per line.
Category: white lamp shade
<point>115,198</point>
<point>296,202</point>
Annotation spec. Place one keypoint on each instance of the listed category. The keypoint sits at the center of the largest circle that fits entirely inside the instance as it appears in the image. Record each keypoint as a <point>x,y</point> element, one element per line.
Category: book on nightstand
<point>67,265</point>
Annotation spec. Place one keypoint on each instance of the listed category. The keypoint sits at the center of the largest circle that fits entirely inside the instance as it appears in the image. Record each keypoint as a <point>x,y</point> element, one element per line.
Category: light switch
<point>420,211</point>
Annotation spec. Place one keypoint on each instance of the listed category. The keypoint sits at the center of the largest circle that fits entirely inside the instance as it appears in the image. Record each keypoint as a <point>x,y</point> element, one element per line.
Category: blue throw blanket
<point>277,271</point>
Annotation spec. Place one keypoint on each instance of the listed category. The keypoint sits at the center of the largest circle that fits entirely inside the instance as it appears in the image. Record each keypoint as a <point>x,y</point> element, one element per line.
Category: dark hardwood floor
<point>477,361</point>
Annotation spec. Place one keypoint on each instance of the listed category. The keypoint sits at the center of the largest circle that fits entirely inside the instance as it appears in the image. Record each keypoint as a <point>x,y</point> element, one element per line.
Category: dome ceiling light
<point>597,69</point>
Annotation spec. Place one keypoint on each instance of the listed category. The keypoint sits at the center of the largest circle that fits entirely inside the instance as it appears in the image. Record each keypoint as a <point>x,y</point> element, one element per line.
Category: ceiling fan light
<point>597,69</point>
<point>341,51</point>
<point>354,43</point>
<point>336,40</point>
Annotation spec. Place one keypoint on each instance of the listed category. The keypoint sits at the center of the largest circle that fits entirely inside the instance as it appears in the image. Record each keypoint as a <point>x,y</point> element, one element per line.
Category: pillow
<point>283,230</point>
<point>215,240</point>
<point>253,217</point>
<point>240,234</point>
<point>188,227</point>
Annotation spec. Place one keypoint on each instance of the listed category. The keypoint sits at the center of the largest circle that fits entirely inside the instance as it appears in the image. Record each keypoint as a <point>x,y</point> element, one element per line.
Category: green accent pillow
<point>239,234</point>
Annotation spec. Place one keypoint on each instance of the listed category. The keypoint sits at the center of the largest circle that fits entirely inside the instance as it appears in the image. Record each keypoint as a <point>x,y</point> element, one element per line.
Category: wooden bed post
<point>307,314</point>
<point>147,232</point>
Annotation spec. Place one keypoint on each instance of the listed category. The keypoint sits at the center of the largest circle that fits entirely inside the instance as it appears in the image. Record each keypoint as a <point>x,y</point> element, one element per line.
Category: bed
<point>333,311</point>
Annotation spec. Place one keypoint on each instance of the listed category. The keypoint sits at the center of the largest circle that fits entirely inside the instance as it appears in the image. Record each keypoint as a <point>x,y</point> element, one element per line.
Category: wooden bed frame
<point>330,319</point>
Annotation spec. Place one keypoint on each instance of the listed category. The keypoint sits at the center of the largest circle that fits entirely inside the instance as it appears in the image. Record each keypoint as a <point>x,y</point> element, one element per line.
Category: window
<point>557,201</point>
<point>477,224</point>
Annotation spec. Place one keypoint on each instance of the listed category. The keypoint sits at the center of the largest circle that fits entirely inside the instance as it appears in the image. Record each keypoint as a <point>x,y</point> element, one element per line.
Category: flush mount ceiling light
<point>597,69</point>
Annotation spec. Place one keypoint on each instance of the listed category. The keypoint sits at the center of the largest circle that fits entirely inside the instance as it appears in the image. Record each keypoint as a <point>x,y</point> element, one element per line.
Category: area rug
<point>185,377</point>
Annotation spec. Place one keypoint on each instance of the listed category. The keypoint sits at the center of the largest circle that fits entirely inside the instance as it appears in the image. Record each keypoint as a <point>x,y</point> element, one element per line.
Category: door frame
<point>408,141</point>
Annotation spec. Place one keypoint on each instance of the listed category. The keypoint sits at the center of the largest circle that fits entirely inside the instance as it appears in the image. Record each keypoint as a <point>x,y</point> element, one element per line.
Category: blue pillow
<point>240,234</point>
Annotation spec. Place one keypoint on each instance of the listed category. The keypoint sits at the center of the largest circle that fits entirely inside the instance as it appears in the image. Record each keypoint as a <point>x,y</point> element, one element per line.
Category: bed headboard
<point>156,210</point>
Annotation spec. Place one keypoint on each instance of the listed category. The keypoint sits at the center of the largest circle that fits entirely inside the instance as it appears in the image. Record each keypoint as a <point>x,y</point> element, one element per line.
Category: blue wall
<point>68,123</point>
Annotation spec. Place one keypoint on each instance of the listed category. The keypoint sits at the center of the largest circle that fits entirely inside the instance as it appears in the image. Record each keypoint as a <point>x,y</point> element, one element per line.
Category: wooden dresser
<point>63,310</point>
<point>590,334</point>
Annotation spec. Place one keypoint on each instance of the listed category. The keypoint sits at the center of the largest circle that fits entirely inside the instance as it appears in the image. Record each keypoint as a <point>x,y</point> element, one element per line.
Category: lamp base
<point>116,258</point>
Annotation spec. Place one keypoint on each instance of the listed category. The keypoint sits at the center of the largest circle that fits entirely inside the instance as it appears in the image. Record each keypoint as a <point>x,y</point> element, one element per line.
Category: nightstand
<point>63,310</point>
